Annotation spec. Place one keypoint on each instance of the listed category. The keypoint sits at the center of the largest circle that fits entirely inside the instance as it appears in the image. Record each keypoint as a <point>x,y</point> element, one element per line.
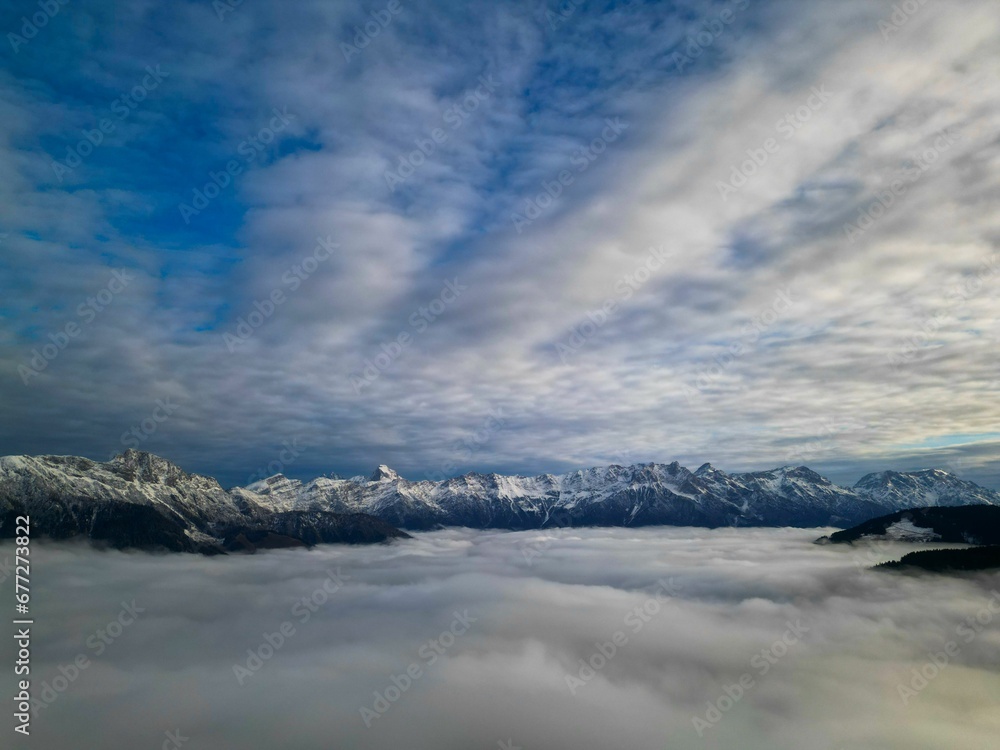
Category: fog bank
<point>576,638</point>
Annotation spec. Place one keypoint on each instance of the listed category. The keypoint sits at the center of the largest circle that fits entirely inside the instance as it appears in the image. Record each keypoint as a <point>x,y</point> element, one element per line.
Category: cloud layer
<point>772,236</point>
<point>496,632</point>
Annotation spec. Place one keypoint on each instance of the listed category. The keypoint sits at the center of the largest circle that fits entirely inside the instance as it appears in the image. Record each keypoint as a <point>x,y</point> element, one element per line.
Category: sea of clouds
<point>662,638</point>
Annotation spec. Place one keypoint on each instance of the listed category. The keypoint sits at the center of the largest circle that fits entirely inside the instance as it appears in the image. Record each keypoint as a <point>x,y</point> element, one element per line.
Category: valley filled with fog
<point>570,638</point>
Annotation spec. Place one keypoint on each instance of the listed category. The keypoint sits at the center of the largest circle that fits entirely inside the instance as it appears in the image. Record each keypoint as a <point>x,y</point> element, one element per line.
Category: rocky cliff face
<point>932,487</point>
<point>142,500</point>
<point>639,495</point>
<point>139,500</point>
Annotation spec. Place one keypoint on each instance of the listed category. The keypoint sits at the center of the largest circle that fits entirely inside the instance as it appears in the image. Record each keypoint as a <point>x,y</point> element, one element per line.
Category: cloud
<point>888,327</point>
<point>821,643</point>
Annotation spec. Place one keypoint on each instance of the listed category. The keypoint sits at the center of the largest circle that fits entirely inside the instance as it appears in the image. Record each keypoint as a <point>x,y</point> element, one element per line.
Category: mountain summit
<point>384,474</point>
<point>139,499</point>
<point>637,495</point>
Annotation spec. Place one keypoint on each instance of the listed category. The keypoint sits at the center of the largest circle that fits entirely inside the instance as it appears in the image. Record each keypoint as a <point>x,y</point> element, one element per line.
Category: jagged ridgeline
<point>142,500</point>
<point>639,495</point>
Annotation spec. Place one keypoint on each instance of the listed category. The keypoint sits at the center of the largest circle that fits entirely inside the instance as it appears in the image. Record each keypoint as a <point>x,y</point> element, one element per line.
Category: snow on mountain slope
<point>643,494</point>
<point>904,530</point>
<point>141,500</point>
<point>923,489</point>
<point>55,486</point>
<point>968,524</point>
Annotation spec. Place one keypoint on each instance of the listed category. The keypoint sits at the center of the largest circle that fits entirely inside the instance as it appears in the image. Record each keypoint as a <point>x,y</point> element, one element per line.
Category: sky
<point>484,640</point>
<point>501,236</point>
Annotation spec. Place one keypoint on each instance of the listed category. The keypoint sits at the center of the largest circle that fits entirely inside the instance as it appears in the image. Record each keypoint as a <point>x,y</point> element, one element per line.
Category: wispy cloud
<point>553,88</point>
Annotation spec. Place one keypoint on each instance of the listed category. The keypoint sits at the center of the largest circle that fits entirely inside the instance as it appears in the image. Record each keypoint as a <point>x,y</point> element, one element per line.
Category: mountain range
<point>138,500</point>
<point>141,500</point>
<point>638,495</point>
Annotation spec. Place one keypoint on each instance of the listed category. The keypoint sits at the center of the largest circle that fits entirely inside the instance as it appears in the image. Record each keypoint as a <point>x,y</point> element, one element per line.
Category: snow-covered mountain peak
<point>384,474</point>
<point>804,473</point>
<point>886,479</point>
<point>641,494</point>
<point>147,467</point>
<point>876,478</point>
<point>274,484</point>
<point>141,500</point>
<point>926,487</point>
